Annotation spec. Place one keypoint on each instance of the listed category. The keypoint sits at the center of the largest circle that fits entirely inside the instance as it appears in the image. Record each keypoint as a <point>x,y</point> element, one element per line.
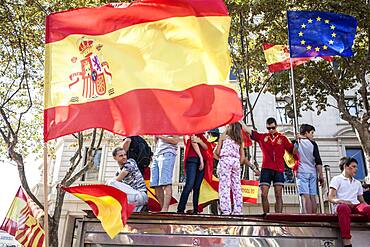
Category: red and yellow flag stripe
<point>278,58</point>
<point>152,67</point>
<point>108,204</point>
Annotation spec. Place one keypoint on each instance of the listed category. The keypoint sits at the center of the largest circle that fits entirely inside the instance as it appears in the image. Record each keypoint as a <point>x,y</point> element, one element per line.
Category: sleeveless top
<point>230,149</point>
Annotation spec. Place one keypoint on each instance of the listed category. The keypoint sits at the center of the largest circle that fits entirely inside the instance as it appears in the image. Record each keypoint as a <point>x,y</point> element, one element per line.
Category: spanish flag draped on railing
<point>108,204</point>
<point>22,222</point>
<point>149,67</point>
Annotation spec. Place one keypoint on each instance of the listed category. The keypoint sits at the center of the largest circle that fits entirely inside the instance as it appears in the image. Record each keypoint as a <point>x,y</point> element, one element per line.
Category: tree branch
<point>78,174</point>
<point>260,92</point>
<point>72,160</point>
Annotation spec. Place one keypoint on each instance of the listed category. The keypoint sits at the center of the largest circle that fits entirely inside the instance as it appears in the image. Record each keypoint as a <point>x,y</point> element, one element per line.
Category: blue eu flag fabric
<point>316,33</point>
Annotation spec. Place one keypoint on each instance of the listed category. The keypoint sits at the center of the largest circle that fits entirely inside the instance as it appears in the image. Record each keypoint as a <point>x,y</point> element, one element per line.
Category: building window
<point>182,175</point>
<point>358,154</point>
<point>281,112</point>
<point>352,106</point>
<point>93,173</point>
<point>232,75</point>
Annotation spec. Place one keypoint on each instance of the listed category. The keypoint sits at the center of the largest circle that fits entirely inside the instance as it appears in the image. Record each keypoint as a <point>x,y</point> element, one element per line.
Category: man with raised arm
<point>273,145</point>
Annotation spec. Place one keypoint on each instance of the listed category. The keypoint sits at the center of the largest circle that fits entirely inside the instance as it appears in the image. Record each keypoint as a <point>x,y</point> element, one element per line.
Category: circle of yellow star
<point>333,35</point>
<point>317,49</point>
<point>325,47</point>
<point>327,21</point>
<point>331,42</point>
<point>308,47</point>
<point>309,20</point>
<point>318,18</point>
<point>303,42</point>
<point>303,25</point>
<point>332,27</point>
<point>300,34</point>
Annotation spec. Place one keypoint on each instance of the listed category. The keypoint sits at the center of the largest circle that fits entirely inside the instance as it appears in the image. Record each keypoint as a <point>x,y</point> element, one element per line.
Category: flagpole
<point>46,193</point>
<point>293,97</point>
<point>295,122</point>
<point>292,85</point>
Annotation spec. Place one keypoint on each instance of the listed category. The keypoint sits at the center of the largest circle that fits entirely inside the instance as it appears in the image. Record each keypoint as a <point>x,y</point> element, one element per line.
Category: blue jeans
<point>194,179</point>
<point>162,169</point>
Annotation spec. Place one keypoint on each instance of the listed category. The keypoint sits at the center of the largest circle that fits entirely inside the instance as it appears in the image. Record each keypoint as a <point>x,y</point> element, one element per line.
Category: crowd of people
<point>346,193</point>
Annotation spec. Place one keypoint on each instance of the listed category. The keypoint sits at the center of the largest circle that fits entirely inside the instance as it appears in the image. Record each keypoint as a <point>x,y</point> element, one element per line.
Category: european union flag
<point>315,33</point>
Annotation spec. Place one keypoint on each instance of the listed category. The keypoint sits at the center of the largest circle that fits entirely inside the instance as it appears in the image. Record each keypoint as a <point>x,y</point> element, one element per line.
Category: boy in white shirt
<point>346,194</point>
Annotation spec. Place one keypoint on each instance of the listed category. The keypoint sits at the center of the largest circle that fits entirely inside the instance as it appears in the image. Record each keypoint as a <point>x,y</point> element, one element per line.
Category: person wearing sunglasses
<point>346,194</point>
<point>273,145</point>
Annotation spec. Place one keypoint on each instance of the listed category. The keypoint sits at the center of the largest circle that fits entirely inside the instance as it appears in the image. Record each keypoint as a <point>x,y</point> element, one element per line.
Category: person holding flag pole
<point>318,34</point>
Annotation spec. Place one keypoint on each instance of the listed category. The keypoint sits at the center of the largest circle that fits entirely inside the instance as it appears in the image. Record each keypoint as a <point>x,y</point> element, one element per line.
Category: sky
<point>9,183</point>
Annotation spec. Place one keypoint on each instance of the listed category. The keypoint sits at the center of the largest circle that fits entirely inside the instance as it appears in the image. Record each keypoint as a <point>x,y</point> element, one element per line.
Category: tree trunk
<point>53,232</point>
<point>361,128</point>
<point>363,136</point>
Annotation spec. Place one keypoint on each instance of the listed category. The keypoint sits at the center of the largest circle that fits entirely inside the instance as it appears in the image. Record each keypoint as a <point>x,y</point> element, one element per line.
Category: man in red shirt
<point>273,145</point>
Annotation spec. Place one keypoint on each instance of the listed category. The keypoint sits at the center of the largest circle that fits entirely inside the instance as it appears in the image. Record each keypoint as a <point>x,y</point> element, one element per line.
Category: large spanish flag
<point>22,222</point>
<point>108,204</point>
<point>149,67</point>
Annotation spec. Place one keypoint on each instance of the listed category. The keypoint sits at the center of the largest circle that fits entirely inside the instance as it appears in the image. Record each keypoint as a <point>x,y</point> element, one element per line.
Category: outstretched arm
<point>245,127</point>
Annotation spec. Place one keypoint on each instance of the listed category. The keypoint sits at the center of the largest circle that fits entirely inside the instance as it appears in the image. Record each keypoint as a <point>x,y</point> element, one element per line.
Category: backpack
<point>140,151</point>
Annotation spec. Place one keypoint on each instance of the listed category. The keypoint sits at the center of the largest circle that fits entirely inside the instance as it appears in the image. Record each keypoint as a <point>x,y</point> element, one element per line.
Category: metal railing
<point>327,182</point>
<point>290,190</point>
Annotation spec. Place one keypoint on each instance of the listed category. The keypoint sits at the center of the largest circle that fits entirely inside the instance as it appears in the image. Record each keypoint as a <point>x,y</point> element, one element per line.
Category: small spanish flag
<point>278,58</point>
<point>108,204</point>
<point>148,67</point>
<point>250,190</point>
